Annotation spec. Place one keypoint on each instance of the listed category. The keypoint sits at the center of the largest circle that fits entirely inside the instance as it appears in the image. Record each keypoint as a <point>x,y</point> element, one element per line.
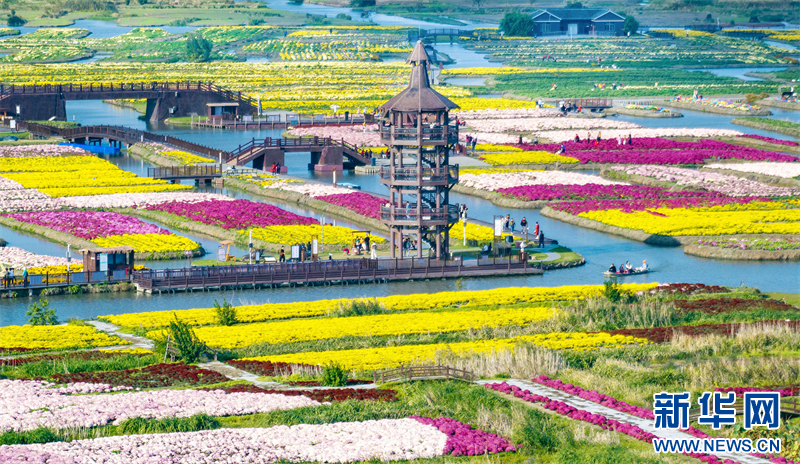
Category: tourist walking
<point>536,230</point>
<point>282,258</point>
<point>523,224</point>
<point>374,251</point>
<point>25,277</point>
<point>511,224</point>
<point>541,239</point>
<point>474,142</point>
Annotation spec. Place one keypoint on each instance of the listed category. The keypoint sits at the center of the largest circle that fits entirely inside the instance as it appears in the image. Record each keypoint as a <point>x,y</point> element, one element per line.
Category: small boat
<point>633,272</point>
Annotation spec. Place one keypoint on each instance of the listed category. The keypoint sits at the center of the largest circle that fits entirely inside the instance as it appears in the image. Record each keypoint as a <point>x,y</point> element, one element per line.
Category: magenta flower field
<point>236,214</point>
<point>659,151</point>
<point>360,202</point>
<point>594,192</point>
<point>89,224</point>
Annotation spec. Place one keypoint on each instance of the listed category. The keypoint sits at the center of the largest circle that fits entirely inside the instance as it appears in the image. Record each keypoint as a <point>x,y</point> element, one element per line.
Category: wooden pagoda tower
<point>416,127</point>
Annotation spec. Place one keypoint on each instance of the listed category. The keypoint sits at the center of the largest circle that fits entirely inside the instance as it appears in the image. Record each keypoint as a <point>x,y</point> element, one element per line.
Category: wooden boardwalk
<point>342,272</point>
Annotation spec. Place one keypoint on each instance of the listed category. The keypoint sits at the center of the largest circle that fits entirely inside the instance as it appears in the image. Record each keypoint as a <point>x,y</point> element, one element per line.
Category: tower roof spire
<point>418,96</point>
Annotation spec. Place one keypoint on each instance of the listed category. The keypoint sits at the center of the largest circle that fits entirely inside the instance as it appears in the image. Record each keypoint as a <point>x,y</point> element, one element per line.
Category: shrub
<point>40,313</point>
<point>363,307</point>
<point>517,24</point>
<point>612,291</point>
<point>333,375</point>
<point>185,341</point>
<point>139,426</point>
<point>226,313</point>
<point>15,21</point>
<point>198,48</point>
<point>40,435</point>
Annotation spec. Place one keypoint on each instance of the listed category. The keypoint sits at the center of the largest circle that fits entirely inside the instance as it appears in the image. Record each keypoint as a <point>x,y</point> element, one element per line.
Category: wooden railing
<point>249,148</point>
<point>14,89</point>
<point>409,373</point>
<point>121,133</point>
<point>184,172</point>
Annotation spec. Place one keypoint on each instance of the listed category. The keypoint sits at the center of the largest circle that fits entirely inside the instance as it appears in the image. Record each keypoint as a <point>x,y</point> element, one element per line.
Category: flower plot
<point>463,299</point>
<point>379,358</point>
<point>109,229</point>
<point>28,405</point>
<point>712,181</point>
<point>378,440</point>
<point>51,338</point>
<point>298,330</point>
<point>786,170</point>
<point>234,214</point>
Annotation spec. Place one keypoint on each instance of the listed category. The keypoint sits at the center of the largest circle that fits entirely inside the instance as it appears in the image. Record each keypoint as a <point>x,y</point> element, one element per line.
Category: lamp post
<point>69,256</point>
<point>250,247</point>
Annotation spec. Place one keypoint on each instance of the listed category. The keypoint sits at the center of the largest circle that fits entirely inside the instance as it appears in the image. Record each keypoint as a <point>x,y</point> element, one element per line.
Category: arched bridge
<point>326,154</point>
<point>164,99</point>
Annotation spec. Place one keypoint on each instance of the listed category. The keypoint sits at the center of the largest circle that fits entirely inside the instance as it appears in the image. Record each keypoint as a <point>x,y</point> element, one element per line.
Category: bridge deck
<point>322,272</point>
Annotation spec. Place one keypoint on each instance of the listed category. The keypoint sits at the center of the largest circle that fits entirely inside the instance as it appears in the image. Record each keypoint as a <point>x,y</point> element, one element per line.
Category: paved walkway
<point>645,424</point>
<point>234,373</point>
<point>111,329</point>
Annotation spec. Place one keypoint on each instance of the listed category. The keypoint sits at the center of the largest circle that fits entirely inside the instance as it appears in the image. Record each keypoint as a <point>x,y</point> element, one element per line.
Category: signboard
<point>247,118</point>
<point>314,247</point>
<point>220,254</point>
<point>498,226</point>
<point>295,251</point>
<point>13,124</point>
<point>103,262</point>
<point>258,255</point>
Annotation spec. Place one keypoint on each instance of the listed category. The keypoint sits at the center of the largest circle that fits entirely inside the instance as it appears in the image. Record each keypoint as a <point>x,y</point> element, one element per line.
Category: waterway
<point>739,73</point>
<point>600,250</point>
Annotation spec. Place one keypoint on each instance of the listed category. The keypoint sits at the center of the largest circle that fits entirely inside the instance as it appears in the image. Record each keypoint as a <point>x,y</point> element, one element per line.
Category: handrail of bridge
<point>298,142</point>
<point>126,134</point>
<point>25,89</point>
<point>409,373</point>
<point>189,172</point>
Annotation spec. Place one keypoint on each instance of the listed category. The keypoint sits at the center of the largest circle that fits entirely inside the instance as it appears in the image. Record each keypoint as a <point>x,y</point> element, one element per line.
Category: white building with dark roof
<point>577,21</point>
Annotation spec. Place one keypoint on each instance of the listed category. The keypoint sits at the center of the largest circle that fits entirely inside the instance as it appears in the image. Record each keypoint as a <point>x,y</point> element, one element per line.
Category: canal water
<point>599,249</point>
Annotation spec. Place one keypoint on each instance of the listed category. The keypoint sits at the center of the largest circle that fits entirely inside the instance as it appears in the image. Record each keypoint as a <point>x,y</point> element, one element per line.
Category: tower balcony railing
<point>446,175</point>
<point>436,133</point>
<point>413,216</point>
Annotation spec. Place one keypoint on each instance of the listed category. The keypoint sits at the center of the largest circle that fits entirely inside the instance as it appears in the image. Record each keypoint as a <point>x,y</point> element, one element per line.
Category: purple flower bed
<point>598,419</point>
<point>360,202</point>
<point>89,224</point>
<point>742,390</point>
<point>595,397</point>
<point>660,151</point>
<point>644,413</point>
<point>593,192</point>
<point>236,214</point>
<point>463,440</point>
<point>770,140</point>
<point>628,206</point>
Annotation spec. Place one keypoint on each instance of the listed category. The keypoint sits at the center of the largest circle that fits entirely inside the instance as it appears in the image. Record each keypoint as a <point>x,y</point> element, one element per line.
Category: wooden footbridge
<point>323,273</point>
<point>325,152</point>
<point>164,99</point>
<point>409,373</point>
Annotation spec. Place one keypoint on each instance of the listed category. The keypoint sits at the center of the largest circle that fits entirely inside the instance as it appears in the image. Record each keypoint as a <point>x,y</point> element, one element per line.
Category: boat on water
<point>626,274</point>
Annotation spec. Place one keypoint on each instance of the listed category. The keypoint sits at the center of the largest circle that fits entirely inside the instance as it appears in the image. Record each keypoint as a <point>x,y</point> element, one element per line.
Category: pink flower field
<point>89,224</point>
<point>236,214</point>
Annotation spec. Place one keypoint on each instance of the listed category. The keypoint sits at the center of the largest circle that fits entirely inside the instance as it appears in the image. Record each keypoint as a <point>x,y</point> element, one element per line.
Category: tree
<point>40,313</point>
<point>15,20</point>
<point>631,25</point>
<point>226,313</point>
<point>574,5</point>
<point>516,24</point>
<point>198,48</point>
<point>185,340</point>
